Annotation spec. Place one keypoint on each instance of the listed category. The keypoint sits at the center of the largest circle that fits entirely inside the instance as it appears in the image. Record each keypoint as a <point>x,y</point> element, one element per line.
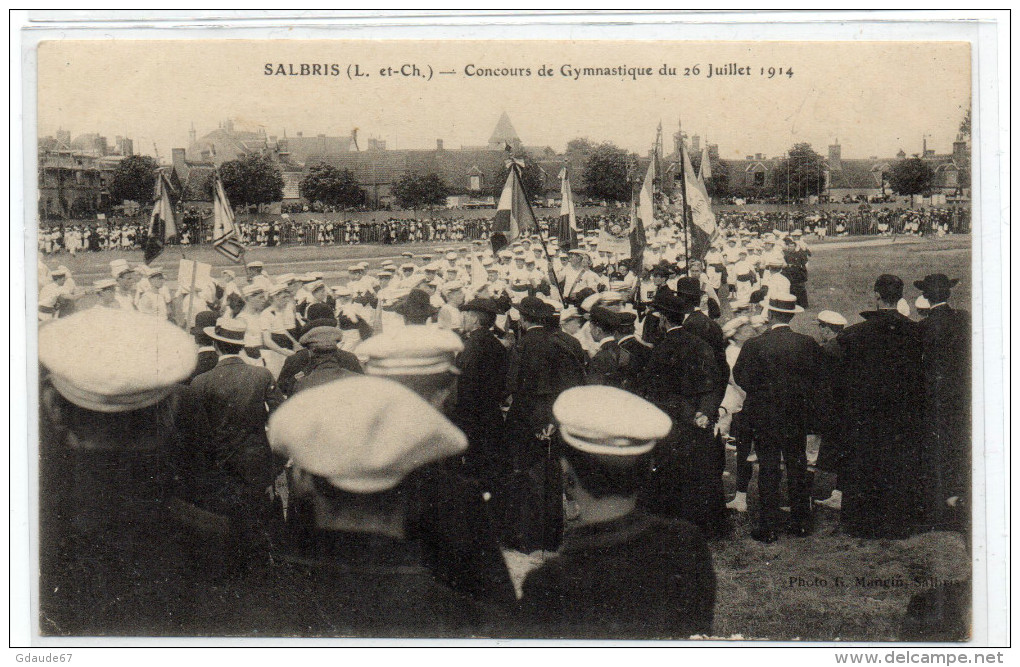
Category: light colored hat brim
<point>619,447</point>
<point>796,309</point>
<point>96,402</point>
<point>211,332</point>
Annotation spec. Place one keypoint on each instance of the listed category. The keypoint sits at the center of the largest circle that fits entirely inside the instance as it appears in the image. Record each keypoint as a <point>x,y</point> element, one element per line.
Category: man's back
<point>780,370</point>
<point>634,577</point>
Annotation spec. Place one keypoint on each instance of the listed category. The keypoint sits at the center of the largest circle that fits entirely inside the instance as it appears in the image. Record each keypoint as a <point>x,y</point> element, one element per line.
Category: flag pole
<point>683,193</point>
<point>541,237</point>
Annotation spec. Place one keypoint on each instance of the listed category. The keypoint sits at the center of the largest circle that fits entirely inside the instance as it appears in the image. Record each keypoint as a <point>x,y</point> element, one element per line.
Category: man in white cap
<point>50,296</point>
<point>155,299</point>
<point>453,521</point>
<point>108,396</point>
<point>257,276</point>
<point>105,289</point>
<point>781,371</point>
<point>358,447</point>
<point>831,449</point>
<point>620,573</point>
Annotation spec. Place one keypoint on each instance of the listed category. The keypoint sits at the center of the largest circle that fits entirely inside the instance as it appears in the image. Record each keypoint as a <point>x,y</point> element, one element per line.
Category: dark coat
<point>345,584</point>
<point>296,362</point>
<point>781,371</point>
<point>481,388</point>
<point>637,577</point>
<point>207,360</point>
<point>609,366</point>
<point>227,410</point>
<point>324,368</point>
<point>639,354</point>
<point>946,363</point>
<point>708,330</point>
<point>682,379</point>
<point>884,402</point>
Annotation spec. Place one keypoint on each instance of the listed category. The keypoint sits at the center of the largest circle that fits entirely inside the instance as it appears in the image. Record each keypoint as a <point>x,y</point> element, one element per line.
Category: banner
<point>162,224</point>
<point>703,227</point>
<point>567,231</point>
<point>225,238</point>
<point>513,215</point>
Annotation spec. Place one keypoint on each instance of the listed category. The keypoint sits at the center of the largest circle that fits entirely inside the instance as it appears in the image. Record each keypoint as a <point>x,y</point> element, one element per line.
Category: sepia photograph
<point>504,339</point>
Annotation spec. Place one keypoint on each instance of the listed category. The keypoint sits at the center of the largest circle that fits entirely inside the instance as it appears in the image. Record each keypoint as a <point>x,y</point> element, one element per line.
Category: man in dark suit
<point>621,573</point>
<point>681,378</point>
<point>638,350</point>
<point>610,364</point>
<point>781,372</point>
<point>945,361</point>
<point>543,364</point>
<point>297,363</point>
<point>481,388</point>
<point>883,397</point>
<point>232,468</point>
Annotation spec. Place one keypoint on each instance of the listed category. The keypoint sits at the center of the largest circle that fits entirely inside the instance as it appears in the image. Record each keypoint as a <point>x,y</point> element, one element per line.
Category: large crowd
<point>478,442</point>
<point>196,228</point>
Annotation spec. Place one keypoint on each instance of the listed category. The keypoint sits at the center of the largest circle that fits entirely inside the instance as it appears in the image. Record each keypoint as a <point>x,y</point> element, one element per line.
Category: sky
<point>874,97</point>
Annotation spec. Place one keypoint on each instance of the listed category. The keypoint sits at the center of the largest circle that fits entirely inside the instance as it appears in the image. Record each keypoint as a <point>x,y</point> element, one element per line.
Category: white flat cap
<point>831,317</point>
<point>412,350</point>
<point>606,420</point>
<point>110,360</point>
<point>362,434</point>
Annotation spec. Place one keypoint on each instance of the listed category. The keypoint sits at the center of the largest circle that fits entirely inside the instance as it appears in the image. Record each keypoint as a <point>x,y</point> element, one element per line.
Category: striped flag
<point>225,238</point>
<point>642,218</point>
<point>513,215</point>
<point>568,218</point>
<point>162,224</point>
<point>703,227</point>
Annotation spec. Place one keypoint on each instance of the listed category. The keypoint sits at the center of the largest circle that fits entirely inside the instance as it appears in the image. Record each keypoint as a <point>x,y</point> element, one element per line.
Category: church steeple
<point>504,134</point>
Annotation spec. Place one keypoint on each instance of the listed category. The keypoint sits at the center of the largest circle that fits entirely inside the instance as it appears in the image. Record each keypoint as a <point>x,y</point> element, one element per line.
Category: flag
<point>513,215</point>
<point>567,232</point>
<point>703,227</point>
<point>162,225</point>
<point>642,217</point>
<point>225,238</point>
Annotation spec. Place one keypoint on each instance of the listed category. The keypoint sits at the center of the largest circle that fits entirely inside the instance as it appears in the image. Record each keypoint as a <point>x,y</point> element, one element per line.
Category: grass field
<point>764,591</point>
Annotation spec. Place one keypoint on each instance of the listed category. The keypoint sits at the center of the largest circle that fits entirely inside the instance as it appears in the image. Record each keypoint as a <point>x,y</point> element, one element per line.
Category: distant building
<point>229,142</point>
<point>75,174</point>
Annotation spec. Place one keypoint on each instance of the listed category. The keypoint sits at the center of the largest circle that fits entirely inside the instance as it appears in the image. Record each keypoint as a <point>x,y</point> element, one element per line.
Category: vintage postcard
<point>657,338</point>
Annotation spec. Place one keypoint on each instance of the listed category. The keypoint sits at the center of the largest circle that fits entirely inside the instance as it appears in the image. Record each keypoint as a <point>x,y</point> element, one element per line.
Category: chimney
<point>757,156</point>
<point>696,143</point>
<point>179,165</point>
<point>439,144</point>
<point>835,152</point>
<point>959,149</point>
<point>228,125</point>
<point>192,134</point>
<point>300,134</point>
<point>749,158</point>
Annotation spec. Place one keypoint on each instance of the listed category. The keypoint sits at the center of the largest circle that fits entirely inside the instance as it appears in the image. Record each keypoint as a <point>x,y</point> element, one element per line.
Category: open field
<point>764,591</point>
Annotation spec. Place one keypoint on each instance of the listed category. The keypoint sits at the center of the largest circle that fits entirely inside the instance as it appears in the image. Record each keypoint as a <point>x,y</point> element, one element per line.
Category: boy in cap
<point>358,446</point>
<point>781,371</point>
<point>107,434</point>
<point>620,573</point>
<point>830,452</point>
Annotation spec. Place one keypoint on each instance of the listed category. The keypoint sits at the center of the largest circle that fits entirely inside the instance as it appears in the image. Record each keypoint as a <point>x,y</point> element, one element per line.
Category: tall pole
<point>683,191</point>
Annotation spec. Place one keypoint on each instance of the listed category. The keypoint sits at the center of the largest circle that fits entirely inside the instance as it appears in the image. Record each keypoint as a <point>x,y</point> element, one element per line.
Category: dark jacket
<point>481,388</point>
<point>637,577</point>
<point>781,371</point>
<point>227,409</point>
<point>639,354</point>
<point>207,360</point>
<point>543,364</point>
<point>708,330</point>
<point>296,362</point>
<point>324,368</point>
<point>681,377</point>
<point>609,366</point>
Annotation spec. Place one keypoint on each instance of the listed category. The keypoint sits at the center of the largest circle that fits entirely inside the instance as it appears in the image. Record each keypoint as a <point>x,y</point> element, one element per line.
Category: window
<point>759,178</point>
<point>476,183</point>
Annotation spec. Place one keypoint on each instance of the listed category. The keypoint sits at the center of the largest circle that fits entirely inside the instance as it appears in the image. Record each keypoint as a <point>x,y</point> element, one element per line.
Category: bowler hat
<point>667,302</point>
<point>416,305</point>
<point>936,282</point>
<point>689,288</point>
<point>535,309</point>
<point>481,306</point>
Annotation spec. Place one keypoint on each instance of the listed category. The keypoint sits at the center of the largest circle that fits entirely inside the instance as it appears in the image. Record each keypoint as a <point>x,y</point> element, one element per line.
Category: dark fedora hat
<point>667,302</point>
<point>936,282</point>
<point>689,288</point>
<point>535,309</point>
<point>206,318</point>
<point>416,305</point>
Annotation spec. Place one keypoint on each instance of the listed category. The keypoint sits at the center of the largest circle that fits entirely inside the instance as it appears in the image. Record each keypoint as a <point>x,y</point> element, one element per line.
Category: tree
<point>800,174</point>
<point>251,180</point>
<point>912,176</point>
<point>605,174</point>
<point>134,179</point>
<point>965,124</point>
<point>581,145</point>
<point>331,186</point>
<point>416,191</point>
<point>532,176</point>
<point>718,184</point>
